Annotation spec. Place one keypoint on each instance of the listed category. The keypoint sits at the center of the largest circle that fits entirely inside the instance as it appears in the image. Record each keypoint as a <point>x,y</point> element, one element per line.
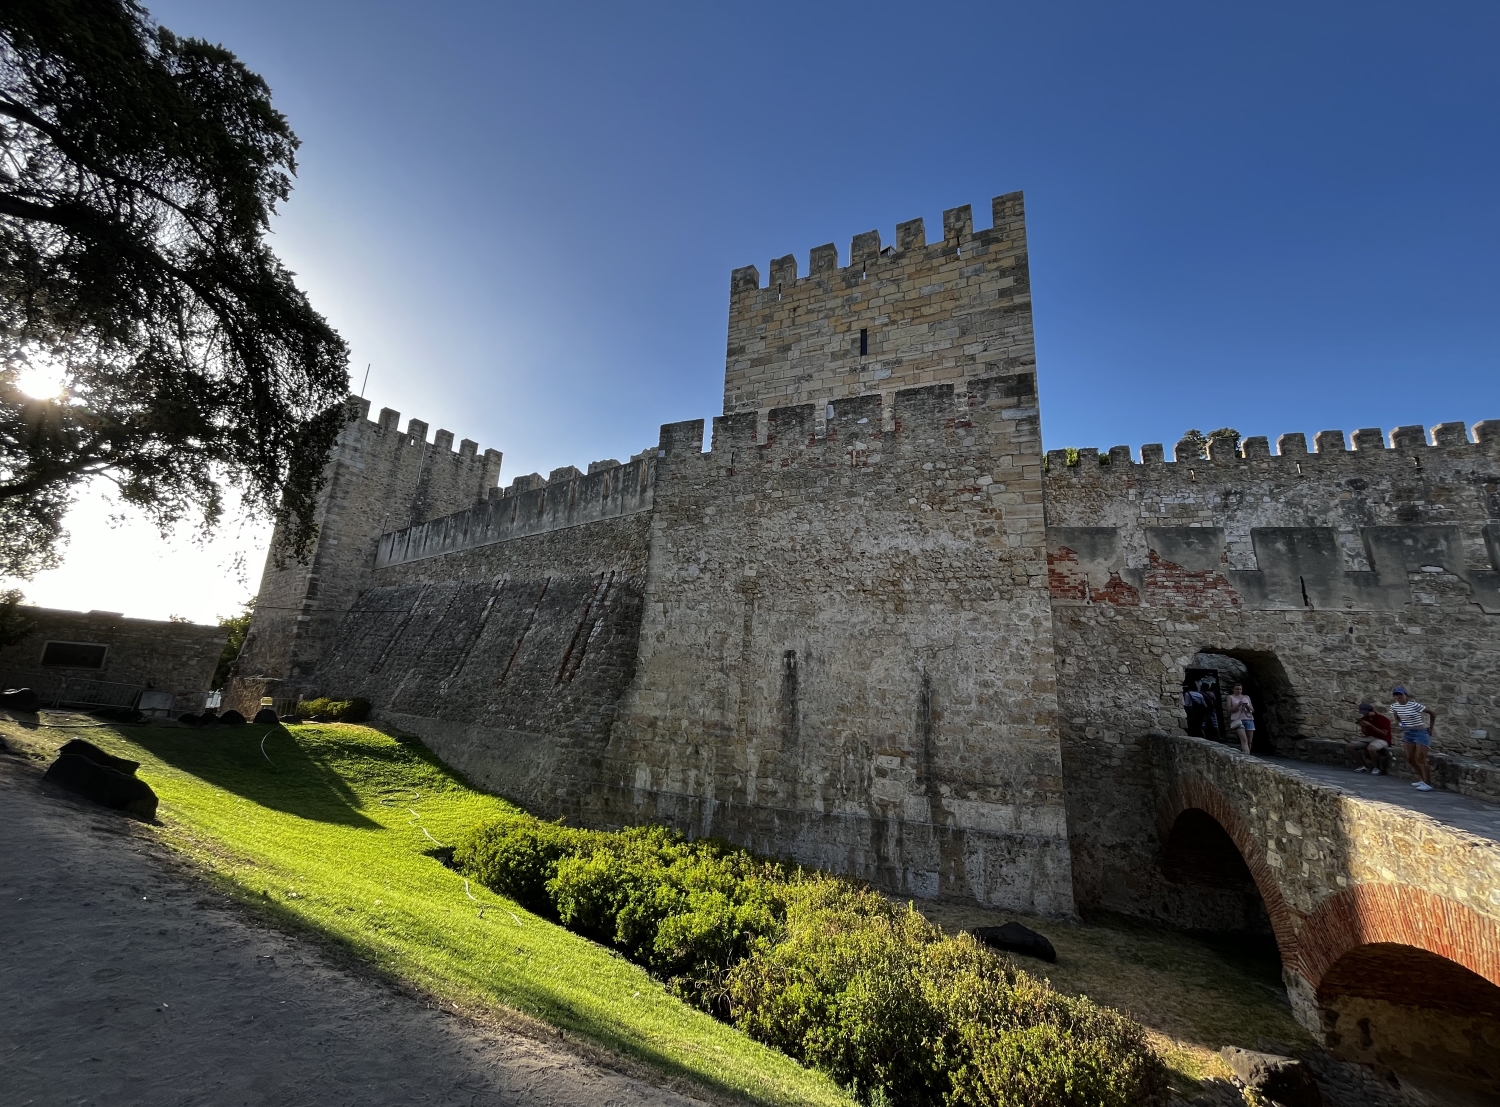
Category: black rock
<point>103,785</point>
<point>1282,1080</point>
<point>20,699</point>
<point>1015,938</point>
<point>266,716</point>
<point>77,747</point>
<point>231,718</point>
<point>291,718</point>
<point>319,719</point>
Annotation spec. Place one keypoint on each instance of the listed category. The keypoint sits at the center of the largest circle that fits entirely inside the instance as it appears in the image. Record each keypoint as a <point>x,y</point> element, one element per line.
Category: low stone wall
<point>145,653</point>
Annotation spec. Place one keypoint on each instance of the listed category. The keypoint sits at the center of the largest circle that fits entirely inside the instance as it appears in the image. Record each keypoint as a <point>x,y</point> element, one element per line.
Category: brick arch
<point>1399,914</point>
<point>1195,792</point>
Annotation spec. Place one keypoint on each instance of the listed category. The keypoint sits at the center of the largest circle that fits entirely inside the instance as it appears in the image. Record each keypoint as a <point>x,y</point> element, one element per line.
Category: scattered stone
<point>266,716</point>
<point>77,747</point>
<point>231,718</point>
<point>20,699</point>
<point>1015,938</point>
<point>1285,1081</point>
<point>291,718</point>
<point>102,784</point>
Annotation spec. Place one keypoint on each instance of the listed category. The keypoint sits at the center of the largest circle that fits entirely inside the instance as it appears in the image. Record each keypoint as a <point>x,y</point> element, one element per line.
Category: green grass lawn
<point>331,827</point>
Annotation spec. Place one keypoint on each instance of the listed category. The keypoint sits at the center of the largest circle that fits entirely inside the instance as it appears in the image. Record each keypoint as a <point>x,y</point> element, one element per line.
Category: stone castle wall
<point>508,659</point>
<point>378,480</point>
<point>1331,575</point>
<point>869,627</point>
<point>155,654</point>
<point>845,653</point>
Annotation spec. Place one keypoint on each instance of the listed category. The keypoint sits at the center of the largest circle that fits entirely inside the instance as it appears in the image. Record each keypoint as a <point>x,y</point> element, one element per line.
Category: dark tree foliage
<point>138,174</point>
<point>14,624</point>
<point>1201,440</point>
<point>238,626</point>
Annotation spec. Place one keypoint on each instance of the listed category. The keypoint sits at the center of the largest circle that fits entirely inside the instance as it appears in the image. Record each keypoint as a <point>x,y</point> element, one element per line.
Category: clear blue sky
<point>1276,216</point>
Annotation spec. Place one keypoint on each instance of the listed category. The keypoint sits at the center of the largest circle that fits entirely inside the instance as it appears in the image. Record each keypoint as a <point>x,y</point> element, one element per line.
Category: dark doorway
<point>1203,700</point>
<point>1214,887</point>
<point>1277,717</point>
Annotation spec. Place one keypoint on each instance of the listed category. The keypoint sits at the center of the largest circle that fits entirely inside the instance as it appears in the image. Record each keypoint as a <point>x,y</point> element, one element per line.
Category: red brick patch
<point>1397,913</point>
<point>1168,584</point>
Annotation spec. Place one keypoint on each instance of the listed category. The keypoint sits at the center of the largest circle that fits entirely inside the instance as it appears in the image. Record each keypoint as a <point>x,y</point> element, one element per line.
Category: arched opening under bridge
<point>1213,895</point>
<point>1425,1018</point>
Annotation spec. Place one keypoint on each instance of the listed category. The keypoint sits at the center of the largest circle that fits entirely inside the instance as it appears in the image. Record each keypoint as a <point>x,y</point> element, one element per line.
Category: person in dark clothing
<point>1372,748</point>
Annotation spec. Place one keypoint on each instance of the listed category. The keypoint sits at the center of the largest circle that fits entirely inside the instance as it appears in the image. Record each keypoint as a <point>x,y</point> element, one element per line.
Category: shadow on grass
<point>265,765</point>
<point>530,999</point>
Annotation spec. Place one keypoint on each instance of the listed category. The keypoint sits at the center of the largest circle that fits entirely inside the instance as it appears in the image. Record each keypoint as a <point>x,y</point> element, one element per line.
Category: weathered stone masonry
<point>873,629</point>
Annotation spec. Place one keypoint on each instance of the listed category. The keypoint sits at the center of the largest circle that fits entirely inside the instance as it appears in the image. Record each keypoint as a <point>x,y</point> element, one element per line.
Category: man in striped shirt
<point>1416,721</point>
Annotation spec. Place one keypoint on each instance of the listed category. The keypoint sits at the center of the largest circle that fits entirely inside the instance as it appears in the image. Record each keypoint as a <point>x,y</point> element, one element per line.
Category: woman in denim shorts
<point>1416,721</point>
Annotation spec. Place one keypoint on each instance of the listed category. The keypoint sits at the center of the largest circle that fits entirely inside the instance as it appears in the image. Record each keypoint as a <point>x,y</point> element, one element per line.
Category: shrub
<point>842,991</point>
<point>518,857</point>
<point>356,710</point>
<point>829,972</point>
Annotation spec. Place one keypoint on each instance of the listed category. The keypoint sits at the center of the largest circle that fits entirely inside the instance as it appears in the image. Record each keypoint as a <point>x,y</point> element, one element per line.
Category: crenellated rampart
<point>531,505</point>
<point>799,685</point>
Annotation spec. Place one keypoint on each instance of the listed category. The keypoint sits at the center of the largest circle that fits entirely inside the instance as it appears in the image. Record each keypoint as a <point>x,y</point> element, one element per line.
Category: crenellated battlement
<point>1330,452</point>
<point>530,505</point>
<point>1005,403</point>
<point>1007,230</point>
<point>895,316</point>
<point>362,434</point>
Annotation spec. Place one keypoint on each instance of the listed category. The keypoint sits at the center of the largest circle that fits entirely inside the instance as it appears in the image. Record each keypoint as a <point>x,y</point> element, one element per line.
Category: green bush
<point>518,857</point>
<point>827,971</point>
<point>356,710</point>
<point>685,910</point>
<point>842,991</point>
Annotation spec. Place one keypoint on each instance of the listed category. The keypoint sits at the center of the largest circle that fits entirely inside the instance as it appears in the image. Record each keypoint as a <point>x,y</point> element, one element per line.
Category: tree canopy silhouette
<point>138,175</point>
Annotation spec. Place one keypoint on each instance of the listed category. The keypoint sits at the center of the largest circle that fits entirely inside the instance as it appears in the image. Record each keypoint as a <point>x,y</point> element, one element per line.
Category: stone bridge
<point>1384,903</point>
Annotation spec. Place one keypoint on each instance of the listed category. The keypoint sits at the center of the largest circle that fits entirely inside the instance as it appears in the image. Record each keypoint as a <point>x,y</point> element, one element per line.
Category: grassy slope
<point>1192,994</point>
<point>327,827</point>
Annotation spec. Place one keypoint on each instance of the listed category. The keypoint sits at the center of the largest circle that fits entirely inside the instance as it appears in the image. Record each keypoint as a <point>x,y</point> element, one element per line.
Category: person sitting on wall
<point>1241,717</point>
<point>1372,748</point>
<point>1417,721</point>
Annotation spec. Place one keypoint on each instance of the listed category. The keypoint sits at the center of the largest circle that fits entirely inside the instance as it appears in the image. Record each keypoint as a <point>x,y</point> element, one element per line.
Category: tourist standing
<point>1241,717</point>
<point>1417,721</point>
<point>1374,741</point>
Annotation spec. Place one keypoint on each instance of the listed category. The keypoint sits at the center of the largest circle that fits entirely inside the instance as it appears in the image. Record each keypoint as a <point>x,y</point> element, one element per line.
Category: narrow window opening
<point>864,341</point>
<point>1305,601</point>
<point>1299,468</point>
<point>778,293</point>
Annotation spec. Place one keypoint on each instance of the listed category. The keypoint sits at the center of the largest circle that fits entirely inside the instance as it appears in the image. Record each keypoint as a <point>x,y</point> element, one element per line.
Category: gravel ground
<point>126,980</point>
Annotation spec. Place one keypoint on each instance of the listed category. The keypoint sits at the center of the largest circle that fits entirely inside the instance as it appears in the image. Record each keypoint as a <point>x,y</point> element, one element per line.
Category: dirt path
<point>124,981</point>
